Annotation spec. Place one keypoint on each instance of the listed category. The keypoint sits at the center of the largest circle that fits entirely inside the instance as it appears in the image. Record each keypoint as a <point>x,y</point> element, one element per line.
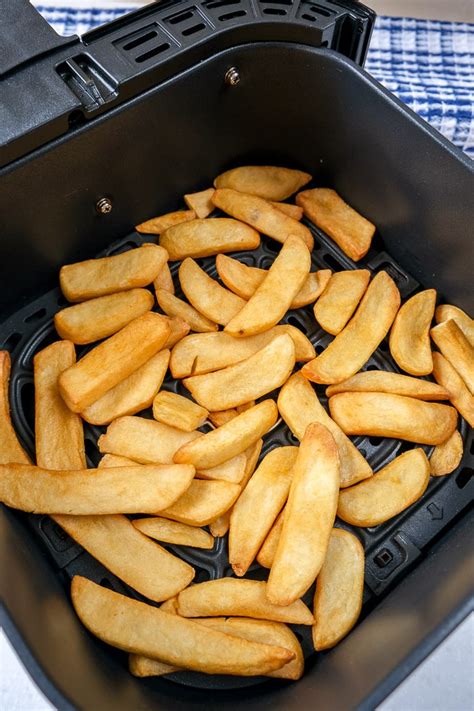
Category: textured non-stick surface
<point>391,548</point>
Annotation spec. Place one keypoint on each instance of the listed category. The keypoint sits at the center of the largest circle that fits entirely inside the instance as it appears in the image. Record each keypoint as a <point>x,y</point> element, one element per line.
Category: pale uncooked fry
<point>230,439</point>
<point>179,328</point>
<point>309,517</point>
<point>266,554</point>
<point>339,589</point>
<point>299,405</point>
<point>114,460</point>
<point>447,457</point>
<point>172,306</point>
<point>134,489</point>
<point>410,335</point>
<point>99,318</point>
<point>201,353</point>
<point>349,230</point>
<point>354,345</point>
<point>455,347</point>
<point>132,395</point>
<point>164,280</point>
<point>200,202</point>
<point>112,361</point>
<point>242,597</point>
<point>203,238</point>
<point>10,448</point>
<point>444,312</point>
<point>448,378</point>
<point>387,415</point>
<point>203,502</point>
<point>340,299</point>
<point>389,492</point>
<point>178,411</point>
<point>157,225</point>
<point>294,211</point>
<point>266,181</point>
<point>144,441</point>
<point>232,470</point>
<point>98,277</point>
<point>250,379</point>
<point>207,295</point>
<point>59,435</point>
<point>261,215</point>
<point>258,506</point>
<point>131,556</point>
<point>136,627</point>
<point>180,534</point>
<point>380,381</point>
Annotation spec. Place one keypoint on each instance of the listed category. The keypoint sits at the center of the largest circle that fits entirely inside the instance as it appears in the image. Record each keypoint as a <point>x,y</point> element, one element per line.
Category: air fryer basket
<point>297,106</point>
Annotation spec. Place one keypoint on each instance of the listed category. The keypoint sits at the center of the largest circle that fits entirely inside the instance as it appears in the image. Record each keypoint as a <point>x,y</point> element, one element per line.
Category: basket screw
<point>232,77</point>
<point>103,206</point>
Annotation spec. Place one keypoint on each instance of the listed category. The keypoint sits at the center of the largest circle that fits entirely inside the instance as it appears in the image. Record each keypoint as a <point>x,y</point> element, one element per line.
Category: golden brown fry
<point>135,489</point>
<point>266,181</point>
<point>113,460</point>
<point>232,470</point>
<point>354,345</point>
<point>389,492</point>
<point>266,554</point>
<point>203,502</point>
<point>313,286</point>
<point>459,394</point>
<point>203,238</point>
<point>144,441</point>
<point>98,277</point>
<point>258,506</point>
<point>349,230</point>
<point>455,347</point>
<point>179,328</point>
<point>410,335</point>
<point>10,448</point>
<point>309,517</point>
<point>220,417</point>
<point>112,361</point>
<point>200,202</point>
<point>132,395</point>
<point>387,415</point>
<point>220,526</point>
<point>237,596</point>
<point>299,406</point>
<point>445,312</point>
<point>164,280</point>
<point>250,379</point>
<point>59,435</point>
<point>261,215</point>
<point>273,297</point>
<point>294,211</point>
<point>142,666</point>
<point>178,411</point>
<point>98,318</point>
<point>339,589</point>
<point>131,556</point>
<point>172,306</point>
<point>380,381</point>
<point>231,439</point>
<point>170,605</point>
<point>207,295</point>
<point>136,627</point>
<point>174,532</point>
<point>340,299</point>
<point>157,225</point>
<point>447,457</point>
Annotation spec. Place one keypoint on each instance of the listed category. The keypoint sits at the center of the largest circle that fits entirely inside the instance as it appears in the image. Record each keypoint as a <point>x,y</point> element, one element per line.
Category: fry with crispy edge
<point>230,439</point>
<point>354,345</point>
<point>299,405</point>
<point>273,297</point>
<point>204,238</point>
<point>258,506</point>
<point>340,299</point>
<point>250,379</point>
<point>239,597</point>
<point>261,215</point>
<point>447,457</point>
<point>389,492</point>
<point>339,589</point>
<point>98,277</point>
<point>380,381</point>
<point>178,411</point>
<point>203,502</point>
<point>459,395</point>
<point>309,517</point>
<point>179,328</point>
<point>294,211</point>
<point>266,181</point>
<point>172,306</point>
<point>10,448</point>
<point>133,394</point>
<point>180,534</point>
<point>455,347</point>
<point>112,361</point>
<point>207,295</point>
<point>164,280</point>
<point>157,225</point>
<point>84,492</point>
<point>200,202</point>
<point>445,312</point>
<point>410,335</point>
<point>142,629</point>
<point>387,415</point>
<point>266,554</point>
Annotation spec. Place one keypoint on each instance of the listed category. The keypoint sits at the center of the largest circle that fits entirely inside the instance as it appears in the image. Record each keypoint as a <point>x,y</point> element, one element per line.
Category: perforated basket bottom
<point>391,548</point>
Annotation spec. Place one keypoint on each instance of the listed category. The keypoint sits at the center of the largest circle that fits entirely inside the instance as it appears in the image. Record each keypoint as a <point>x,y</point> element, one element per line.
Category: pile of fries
<point>195,462</point>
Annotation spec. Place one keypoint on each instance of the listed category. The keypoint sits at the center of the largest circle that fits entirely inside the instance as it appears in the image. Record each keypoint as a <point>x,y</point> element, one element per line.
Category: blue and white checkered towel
<point>428,64</point>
